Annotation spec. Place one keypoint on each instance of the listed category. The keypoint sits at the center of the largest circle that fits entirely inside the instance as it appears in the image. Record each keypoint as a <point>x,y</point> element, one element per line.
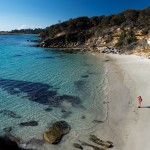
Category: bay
<point>47,85</point>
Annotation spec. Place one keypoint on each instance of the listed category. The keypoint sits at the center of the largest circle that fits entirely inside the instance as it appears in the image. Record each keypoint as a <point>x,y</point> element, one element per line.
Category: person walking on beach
<point>139,101</point>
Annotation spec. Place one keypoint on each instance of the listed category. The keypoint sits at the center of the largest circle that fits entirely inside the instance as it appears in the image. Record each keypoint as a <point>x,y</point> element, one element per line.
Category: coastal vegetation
<point>27,31</point>
<point>98,32</point>
<point>126,38</point>
<point>130,18</point>
<point>22,31</point>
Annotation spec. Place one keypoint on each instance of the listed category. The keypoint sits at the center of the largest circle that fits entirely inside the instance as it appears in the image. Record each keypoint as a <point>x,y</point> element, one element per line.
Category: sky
<point>19,14</point>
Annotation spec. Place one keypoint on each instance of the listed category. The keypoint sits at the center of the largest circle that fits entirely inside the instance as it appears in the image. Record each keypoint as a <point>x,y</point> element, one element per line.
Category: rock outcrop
<point>10,114</point>
<point>56,131</point>
<point>78,146</point>
<point>61,41</point>
<point>102,145</point>
<point>107,34</point>
<point>105,42</point>
<point>29,123</point>
<point>106,144</point>
<point>7,144</point>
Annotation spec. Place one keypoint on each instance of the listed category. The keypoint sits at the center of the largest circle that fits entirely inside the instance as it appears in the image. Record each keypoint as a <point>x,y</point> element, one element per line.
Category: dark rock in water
<point>17,55</point>
<point>106,60</point>
<point>7,130</point>
<point>35,41</point>
<point>56,131</point>
<point>92,72</point>
<point>11,137</point>
<point>84,76</point>
<point>97,121</point>
<point>34,141</point>
<point>106,102</point>
<point>10,114</point>
<point>7,144</point>
<point>66,113</point>
<point>80,84</point>
<point>29,123</point>
<point>38,92</point>
<point>106,144</point>
<point>78,146</point>
<point>47,57</point>
<point>48,109</point>
<point>83,117</point>
<point>94,147</point>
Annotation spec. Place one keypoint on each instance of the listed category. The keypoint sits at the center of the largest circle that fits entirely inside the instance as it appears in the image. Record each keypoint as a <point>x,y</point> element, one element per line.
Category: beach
<point>126,125</point>
<point>128,78</point>
<point>98,96</point>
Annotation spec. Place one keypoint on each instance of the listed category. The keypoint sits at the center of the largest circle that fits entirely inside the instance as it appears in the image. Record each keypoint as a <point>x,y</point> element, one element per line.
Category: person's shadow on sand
<point>145,107</point>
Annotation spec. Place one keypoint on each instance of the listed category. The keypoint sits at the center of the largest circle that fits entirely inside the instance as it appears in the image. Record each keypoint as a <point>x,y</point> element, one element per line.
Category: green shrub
<point>131,39</point>
<point>121,39</point>
<point>126,38</point>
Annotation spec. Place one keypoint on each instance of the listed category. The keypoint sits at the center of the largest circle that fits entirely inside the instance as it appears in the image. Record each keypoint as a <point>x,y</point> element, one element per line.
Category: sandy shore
<point>125,125</point>
<point>132,123</point>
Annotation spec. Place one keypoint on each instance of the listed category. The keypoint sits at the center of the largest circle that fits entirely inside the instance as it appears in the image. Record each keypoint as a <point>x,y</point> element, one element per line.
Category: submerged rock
<point>90,145</point>
<point>48,109</point>
<point>7,130</point>
<point>97,121</point>
<point>29,123</point>
<point>83,117</point>
<point>56,131</point>
<point>10,114</point>
<point>37,92</point>
<point>78,146</point>
<point>12,137</point>
<point>80,84</point>
<point>106,60</point>
<point>36,142</point>
<point>7,144</point>
<point>65,113</point>
<point>106,144</point>
<point>85,76</point>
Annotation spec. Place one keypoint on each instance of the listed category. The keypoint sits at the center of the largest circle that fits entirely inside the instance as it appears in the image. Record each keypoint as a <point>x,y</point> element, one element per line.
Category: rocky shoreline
<point>140,47</point>
<point>53,136</point>
<point>68,42</point>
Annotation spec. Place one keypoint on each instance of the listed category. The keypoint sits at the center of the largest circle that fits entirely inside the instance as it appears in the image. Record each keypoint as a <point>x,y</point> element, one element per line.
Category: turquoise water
<point>47,85</point>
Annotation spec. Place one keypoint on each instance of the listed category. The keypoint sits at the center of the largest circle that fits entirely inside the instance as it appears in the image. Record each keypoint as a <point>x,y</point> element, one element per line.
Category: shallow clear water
<point>47,85</point>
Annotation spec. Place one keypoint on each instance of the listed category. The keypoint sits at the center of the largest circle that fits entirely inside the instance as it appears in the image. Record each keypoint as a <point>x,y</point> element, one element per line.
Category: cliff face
<point>111,37</point>
<point>114,33</point>
<point>60,41</point>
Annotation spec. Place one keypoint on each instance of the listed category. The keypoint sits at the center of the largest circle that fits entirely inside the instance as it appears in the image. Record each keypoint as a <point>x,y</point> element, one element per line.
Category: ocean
<point>47,85</point>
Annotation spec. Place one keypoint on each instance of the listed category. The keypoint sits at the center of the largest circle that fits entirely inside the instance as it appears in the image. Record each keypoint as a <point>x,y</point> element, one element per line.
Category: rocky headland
<point>127,32</point>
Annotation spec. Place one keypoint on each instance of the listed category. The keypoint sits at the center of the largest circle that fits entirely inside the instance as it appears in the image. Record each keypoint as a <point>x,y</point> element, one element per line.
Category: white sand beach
<point>126,125</point>
<point>130,125</point>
